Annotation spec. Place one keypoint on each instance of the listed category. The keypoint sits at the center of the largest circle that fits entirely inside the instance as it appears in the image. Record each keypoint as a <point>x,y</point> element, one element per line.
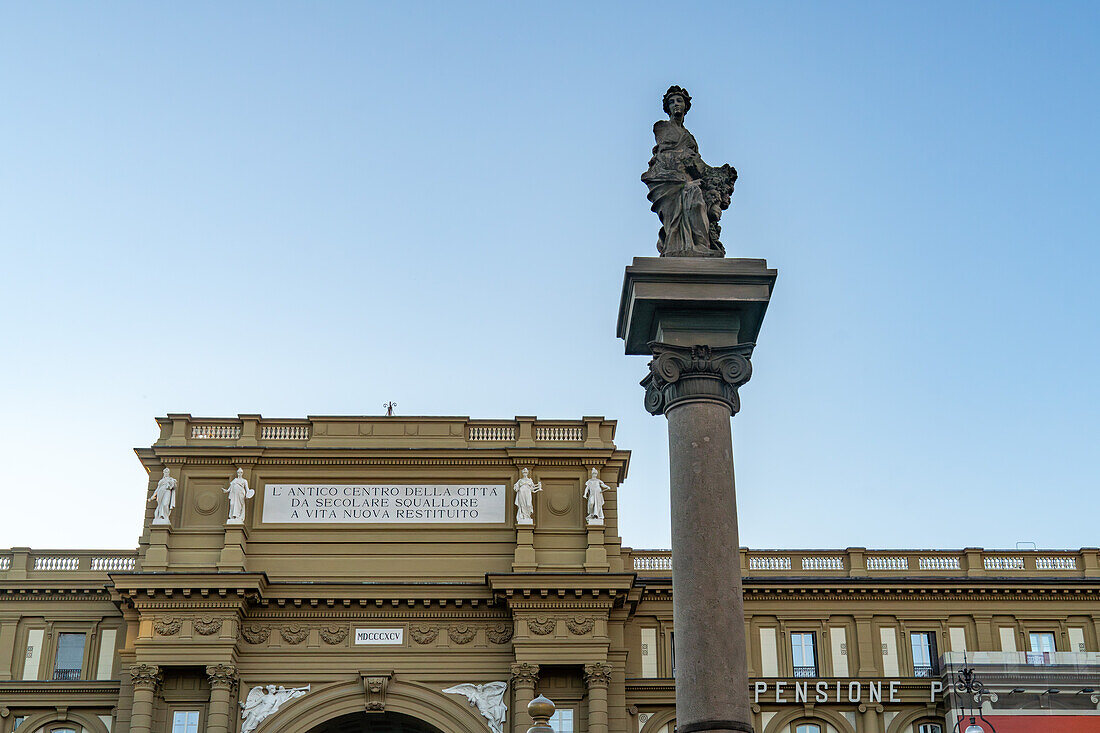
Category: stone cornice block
<point>718,302</point>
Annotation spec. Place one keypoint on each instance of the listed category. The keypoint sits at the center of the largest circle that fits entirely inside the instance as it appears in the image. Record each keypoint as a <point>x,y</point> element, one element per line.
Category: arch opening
<point>362,722</point>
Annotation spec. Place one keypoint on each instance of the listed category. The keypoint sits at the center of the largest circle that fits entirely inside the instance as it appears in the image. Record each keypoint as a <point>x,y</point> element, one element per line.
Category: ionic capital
<point>525,674</point>
<point>223,676</point>
<point>597,675</point>
<point>145,676</point>
<point>682,374</point>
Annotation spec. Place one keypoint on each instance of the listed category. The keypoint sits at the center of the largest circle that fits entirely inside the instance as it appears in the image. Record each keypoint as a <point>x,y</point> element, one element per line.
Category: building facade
<point>379,578</point>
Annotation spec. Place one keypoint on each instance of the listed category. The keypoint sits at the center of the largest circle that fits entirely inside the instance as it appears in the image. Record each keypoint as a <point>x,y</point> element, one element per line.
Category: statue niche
<point>687,195</point>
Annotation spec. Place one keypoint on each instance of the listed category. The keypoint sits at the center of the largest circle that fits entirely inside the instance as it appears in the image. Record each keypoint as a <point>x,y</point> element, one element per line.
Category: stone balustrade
<point>861,562</point>
<point>24,563</point>
<point>457,432</point>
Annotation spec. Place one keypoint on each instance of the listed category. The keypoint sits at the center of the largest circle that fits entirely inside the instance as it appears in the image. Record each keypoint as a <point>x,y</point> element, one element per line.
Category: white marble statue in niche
<point>489,700</point>
<point>525,490</point>
<point>264,700</point>
<point>593,491</point>
<point>165,497</point>
<point>238,491</point>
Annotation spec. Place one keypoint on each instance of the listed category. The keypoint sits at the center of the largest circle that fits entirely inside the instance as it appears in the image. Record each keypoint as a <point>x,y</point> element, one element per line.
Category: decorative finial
<point>389,408</point>
<point>541,709</point>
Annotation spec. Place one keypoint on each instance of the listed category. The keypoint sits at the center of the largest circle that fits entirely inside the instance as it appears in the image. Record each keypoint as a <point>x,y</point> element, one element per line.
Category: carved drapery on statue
<point>679,374</point>
<point>687,195</point>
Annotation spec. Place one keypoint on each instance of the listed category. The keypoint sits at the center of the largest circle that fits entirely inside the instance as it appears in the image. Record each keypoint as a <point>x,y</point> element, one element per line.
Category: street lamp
<point>967,683</point>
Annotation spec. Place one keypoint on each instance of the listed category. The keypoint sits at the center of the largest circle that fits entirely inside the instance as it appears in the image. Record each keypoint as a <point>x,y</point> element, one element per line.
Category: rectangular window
<point>930,728</point>
<point>923,644</point>
<point>672,650</point>
<point>70,657</point>
<point>1042,648</point>
<point>185,721</point>
<point>561,721</point>
<point>808,728</point>
<point>803,655</point>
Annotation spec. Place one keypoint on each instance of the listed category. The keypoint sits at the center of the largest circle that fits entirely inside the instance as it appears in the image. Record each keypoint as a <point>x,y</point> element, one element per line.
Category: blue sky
<point>306,208</point>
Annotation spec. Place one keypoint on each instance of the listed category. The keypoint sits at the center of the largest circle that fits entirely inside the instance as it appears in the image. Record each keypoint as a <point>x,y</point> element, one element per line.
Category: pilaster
<point>146,679</point>
<point>597,677</point>
<point>524,678</point>
<point>223,681</point>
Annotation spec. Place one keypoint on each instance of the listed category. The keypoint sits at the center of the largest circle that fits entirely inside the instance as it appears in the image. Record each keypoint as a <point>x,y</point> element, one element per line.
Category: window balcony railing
<point>923,670</point>
<point>805,671</point>
<point>66,675</point>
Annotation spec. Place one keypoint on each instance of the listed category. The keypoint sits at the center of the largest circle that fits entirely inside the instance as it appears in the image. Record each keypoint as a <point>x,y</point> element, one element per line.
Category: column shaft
<point>524,677</point>
<point>597,677</point>
<point>145,679</point>
<point>223,680</point>
<point>712,687</point>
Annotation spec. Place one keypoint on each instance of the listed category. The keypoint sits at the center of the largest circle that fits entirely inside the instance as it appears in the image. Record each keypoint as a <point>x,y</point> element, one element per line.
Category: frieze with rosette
<point>333,635</point>
<point>462,633</point>
<point>167,626</point>
<point>500,633</point>
<point>294,634</point>
<point>542,625</point>
<point>423,634</point>
<point>579,626</point>
<point>207,625</point>
<point>255,634</point>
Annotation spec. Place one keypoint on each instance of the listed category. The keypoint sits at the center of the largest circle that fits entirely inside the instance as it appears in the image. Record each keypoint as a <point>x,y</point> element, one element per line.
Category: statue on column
<point>593,491</point>
<point>238,491</point>
<point>165,497</point>
<point>688,195</point>
<point>525,490</point>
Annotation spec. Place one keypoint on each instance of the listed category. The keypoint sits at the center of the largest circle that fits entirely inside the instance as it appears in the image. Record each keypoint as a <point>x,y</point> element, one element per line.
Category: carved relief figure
<point>264,700</point>
<point>165,497</point>
<point>688,195</point>
<point>525,490</point>
<point>238,491</point>
<point>489,699</point>
<point>593,491</point>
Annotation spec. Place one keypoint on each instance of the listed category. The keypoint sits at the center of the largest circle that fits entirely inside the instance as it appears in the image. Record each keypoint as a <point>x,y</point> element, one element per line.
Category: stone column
<point>696,389</point>
<point>871,718</point>
<point>698,318</point>
<point>597,677</point>
<point>145,678</point>
<point>223,681</point>
<point>524,678</point>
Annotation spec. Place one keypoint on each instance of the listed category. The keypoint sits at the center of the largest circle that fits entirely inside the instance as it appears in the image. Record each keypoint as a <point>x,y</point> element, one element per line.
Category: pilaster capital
<point>597,675</point>
<point>525,674</point>
<point>145,676</point>
<point>223,676</point>
<point>682,374</point>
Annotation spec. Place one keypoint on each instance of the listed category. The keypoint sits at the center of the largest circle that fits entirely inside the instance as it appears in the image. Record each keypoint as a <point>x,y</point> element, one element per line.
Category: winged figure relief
<point>264,700</point>
<point>489,700</point>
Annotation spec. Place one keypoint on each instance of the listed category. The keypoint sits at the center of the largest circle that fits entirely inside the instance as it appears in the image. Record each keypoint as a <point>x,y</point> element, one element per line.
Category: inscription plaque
<point>385,503</point>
